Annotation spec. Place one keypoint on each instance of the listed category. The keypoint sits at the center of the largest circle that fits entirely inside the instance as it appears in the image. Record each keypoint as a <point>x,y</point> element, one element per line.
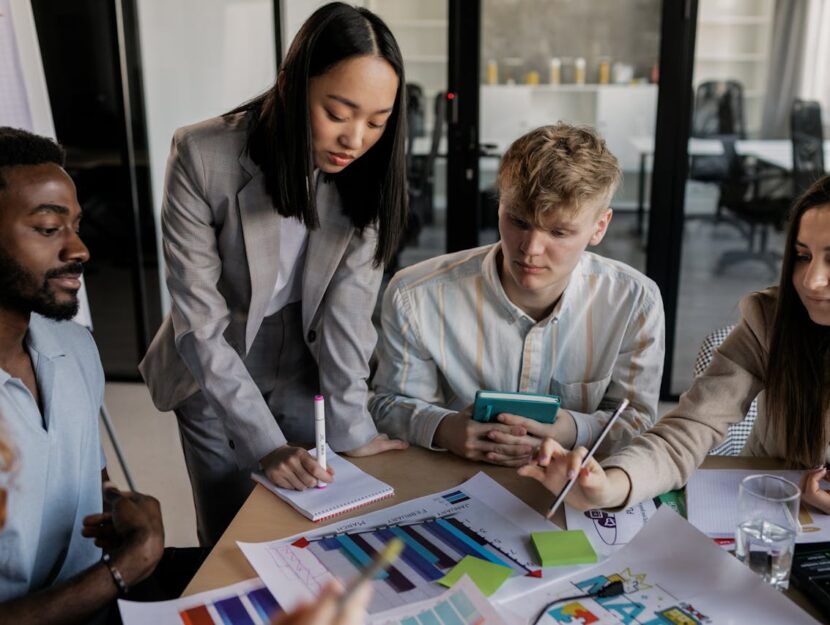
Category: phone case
<point>488,404</point>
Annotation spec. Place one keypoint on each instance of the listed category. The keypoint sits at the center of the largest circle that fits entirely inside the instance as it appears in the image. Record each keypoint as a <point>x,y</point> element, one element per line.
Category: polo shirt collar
<point>42,338</point>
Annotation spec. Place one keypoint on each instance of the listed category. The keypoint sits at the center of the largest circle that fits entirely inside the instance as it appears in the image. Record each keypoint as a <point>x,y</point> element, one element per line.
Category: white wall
<point>200,58</point>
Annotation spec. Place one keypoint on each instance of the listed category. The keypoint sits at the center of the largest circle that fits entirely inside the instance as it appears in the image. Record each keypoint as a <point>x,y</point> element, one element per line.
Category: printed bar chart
<point>433,546</point>
<point>255,607</point>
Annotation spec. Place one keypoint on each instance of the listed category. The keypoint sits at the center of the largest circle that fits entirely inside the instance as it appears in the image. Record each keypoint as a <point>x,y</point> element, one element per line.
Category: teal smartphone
<point>488,404</point>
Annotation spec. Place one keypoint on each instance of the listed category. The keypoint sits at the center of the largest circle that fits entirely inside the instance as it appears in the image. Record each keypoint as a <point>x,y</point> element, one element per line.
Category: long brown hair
<point>798,369</point>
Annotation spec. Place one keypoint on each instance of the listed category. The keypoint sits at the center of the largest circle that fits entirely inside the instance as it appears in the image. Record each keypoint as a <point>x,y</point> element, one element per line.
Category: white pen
<point>570,483</point>
<point>320,433</point>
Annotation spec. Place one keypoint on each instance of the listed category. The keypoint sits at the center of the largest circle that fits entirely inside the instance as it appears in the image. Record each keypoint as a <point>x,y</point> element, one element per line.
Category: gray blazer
<point>219,230</point>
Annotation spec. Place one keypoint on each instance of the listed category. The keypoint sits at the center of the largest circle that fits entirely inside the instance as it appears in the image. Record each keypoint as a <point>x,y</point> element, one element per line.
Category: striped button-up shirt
<point>449,330</point>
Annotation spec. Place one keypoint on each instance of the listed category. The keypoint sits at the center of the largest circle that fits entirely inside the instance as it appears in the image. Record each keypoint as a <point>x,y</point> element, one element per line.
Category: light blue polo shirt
<point>58,458</point>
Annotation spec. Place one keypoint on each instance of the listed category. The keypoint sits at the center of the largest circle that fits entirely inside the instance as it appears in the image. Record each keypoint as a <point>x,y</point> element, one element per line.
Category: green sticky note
<point>563,548</point>
<point>487,576</point>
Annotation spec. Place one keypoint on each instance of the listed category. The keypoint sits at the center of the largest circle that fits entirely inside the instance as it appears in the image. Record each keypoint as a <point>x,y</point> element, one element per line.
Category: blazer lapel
<point>326,247</point>
<point>260,231</point>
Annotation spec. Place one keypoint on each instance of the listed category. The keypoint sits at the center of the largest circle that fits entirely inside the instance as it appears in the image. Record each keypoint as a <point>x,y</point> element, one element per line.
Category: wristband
<point>123,589</point>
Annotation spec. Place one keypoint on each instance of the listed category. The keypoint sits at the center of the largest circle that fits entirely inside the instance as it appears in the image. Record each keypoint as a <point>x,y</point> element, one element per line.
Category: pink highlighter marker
<point>320,433</point>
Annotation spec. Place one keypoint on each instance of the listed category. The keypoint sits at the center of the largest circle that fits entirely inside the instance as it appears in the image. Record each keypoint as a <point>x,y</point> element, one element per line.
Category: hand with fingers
<point>327,609</point>
<point>293,467</point>
<point>463,436</point>
<point>131,532</point>
<point>377,445</point>
<point>811,491</point>
<point>594,488</point>
<point>524,431</point>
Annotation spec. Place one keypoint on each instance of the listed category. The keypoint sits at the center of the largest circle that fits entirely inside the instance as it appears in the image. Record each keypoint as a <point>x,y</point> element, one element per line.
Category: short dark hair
<point>20,147</point>
<point>373,188</point>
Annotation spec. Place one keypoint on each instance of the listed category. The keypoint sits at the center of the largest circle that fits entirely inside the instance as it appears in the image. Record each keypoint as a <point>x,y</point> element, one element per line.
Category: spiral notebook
<point>352,488</point>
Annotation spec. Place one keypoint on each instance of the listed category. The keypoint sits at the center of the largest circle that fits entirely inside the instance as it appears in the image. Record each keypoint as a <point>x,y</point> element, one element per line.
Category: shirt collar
<point>42,337</point>
<point>490,271</point>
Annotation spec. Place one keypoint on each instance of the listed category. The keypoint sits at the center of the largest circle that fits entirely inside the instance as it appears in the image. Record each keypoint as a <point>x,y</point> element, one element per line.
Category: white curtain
<point>815,81</point>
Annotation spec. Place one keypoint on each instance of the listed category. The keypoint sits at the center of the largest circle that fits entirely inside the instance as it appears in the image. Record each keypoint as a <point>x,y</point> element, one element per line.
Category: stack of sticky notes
<point>563,548</point>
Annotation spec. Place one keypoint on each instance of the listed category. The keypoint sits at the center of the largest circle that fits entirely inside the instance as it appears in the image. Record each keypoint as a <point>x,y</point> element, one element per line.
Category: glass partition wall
<point>592,62</point>
<point>753,61</point>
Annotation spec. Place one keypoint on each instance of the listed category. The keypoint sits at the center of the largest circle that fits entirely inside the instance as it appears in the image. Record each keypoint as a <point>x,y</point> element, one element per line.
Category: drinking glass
<point>767,527</point>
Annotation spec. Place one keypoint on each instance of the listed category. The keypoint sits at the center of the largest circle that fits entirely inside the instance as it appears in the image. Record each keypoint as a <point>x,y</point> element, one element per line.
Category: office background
<point>121,75</point>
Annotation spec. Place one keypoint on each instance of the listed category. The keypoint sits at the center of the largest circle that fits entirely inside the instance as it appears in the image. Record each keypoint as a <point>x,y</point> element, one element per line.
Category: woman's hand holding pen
<point>595,488</point>
<point>293,467</point>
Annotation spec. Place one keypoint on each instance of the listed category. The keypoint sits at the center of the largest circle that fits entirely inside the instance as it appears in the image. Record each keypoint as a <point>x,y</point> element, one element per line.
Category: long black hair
<point>373,187</point>
<point>797,385</point>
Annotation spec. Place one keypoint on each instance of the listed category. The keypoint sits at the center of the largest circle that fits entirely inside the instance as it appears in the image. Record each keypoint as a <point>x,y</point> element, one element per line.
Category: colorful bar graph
<point>461,542</point>
<point>447,614</point>
<point>444,561</point>
<point>233,612</point>
<point>264,603</point>
<point>196,616</point>
<point>428,618</point>
<point>466,531</point>
<point>413,558</point>
<point>393,576</point>
<point>260,607</point>
<point>465,608</point>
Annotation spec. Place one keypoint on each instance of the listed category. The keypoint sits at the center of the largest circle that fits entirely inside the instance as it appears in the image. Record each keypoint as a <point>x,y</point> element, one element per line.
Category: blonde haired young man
<point>534,312</point>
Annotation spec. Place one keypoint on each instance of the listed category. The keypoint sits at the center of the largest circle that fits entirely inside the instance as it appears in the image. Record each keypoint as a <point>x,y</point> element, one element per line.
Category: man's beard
<point>18,290</point>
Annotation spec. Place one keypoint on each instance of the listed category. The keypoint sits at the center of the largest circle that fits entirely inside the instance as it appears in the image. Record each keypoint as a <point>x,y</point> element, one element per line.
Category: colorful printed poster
<point>670,574</point>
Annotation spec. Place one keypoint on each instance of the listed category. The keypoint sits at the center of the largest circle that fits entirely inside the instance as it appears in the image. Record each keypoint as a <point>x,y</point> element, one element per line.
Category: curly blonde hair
<point>558,167</point>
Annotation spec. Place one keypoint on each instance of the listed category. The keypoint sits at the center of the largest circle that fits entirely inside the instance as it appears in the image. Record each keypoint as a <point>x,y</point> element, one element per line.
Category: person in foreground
<point>70,544</point>
<point>534,313</point>
<point>276,219</point>
<point>780,349</point>
<point>51,390</point>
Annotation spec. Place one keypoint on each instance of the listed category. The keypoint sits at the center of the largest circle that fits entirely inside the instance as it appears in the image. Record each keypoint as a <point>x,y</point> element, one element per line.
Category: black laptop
<point>811,574</point>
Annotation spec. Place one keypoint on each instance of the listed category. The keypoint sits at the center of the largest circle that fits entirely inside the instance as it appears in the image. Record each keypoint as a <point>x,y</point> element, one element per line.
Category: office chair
<point>422,177</point>
<point>718,113</point>
<point>736,435</point>
<point>755,198</point>
<point>808,143</point>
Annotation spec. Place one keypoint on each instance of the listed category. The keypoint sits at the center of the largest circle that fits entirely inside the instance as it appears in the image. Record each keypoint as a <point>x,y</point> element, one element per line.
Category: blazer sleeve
<point>200,313</point>
<point>665,457</point>
<point>347,340</point>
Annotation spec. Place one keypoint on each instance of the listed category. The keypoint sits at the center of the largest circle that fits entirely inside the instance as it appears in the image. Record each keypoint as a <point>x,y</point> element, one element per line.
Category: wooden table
<point>413,473</point>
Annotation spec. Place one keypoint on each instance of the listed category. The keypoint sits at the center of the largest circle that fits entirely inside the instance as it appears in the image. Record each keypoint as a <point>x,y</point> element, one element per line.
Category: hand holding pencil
<point>577,477</point>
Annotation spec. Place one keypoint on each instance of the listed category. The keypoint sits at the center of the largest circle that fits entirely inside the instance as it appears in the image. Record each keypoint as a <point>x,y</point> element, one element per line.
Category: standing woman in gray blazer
<point>276,220</point>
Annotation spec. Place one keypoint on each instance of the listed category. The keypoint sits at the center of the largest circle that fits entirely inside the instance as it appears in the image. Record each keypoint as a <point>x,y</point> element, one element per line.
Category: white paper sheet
<point>671,573</point>
<point>712,502</point>
<point>463,603</point>
<point>609,531</point>
<point>491,515</point>
<point>250,596</point>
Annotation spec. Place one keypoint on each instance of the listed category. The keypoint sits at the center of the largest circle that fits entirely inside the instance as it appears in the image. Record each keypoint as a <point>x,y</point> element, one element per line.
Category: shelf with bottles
<point>570,88</point>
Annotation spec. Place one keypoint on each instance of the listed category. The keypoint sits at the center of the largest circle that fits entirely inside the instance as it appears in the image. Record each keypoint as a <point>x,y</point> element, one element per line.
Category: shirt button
<point>312,336</point>
<point>232,444</point>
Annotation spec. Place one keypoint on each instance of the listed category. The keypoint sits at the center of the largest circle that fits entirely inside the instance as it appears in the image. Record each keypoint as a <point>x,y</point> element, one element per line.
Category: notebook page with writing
<point>352,487</point>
